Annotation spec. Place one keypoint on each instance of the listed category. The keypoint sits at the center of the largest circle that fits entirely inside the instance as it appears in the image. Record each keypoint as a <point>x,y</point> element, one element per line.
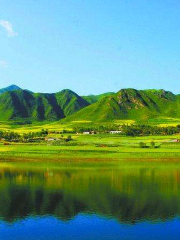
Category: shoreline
<point>93,159</point>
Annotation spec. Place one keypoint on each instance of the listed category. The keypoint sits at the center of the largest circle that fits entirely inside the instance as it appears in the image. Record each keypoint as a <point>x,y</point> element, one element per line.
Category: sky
<point>90,46</point>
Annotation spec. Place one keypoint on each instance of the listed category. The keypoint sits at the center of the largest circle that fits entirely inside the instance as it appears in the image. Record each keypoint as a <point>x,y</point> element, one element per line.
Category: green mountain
<point>9,89</point>
<point>95,98</point>
<point>22,105</point>
<point>131,104</point>
<point>25,105</point>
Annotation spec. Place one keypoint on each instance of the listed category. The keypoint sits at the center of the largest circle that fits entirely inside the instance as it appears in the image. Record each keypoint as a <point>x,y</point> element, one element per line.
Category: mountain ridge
<point>10,88</point>
<point>25,105</point>
<point>131,104</point>
<point>17,104</point>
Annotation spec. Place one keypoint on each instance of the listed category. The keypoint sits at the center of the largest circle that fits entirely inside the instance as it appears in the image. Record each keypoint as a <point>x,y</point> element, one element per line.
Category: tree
<point>153,144</point>
<point>69,138</point>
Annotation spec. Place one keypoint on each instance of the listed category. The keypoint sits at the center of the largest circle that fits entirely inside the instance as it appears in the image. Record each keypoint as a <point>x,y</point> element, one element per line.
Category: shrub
<point>153,144</point>
<point>142,145</point>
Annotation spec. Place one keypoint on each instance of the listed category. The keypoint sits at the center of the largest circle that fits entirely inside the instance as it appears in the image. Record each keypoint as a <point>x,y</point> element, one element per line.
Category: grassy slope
<point>154,107</point>
<point>131,104</point>
<point>70,102</point>
<point>95,98</point>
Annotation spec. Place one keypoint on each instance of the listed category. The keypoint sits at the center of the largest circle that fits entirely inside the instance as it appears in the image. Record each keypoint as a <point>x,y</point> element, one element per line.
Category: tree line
<point>145,130</point>
<point>126,130</point>
<point>131,130</point>
<point>25,137</point>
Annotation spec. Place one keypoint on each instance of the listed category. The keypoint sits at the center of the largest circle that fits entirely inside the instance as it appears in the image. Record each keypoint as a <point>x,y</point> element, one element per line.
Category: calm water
<point>124,203</point>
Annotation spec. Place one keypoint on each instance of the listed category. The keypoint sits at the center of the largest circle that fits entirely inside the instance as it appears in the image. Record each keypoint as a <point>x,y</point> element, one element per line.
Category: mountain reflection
<point>127,195</point>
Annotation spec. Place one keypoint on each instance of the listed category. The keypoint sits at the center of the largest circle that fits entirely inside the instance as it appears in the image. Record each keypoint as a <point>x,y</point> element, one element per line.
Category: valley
<point>68,121</point>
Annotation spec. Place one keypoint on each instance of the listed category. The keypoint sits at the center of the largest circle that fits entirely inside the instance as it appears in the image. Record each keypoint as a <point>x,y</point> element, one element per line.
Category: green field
<point>55,126</point>
<point>162,122</point>
<point>63,125</point>
<point>94,147</point>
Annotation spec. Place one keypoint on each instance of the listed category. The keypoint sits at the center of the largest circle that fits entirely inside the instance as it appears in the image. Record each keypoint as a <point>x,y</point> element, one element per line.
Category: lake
<point>74,202</point>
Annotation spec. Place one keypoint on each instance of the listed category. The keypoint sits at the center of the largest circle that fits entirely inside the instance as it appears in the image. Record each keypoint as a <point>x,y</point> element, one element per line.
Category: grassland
<point>163,122</point>
<point>95,147</point>
<point>55,126</point>
<point>68,126</point>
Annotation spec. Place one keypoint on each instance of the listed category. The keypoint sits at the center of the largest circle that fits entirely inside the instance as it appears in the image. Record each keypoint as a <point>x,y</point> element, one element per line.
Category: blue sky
<point>90,46</point>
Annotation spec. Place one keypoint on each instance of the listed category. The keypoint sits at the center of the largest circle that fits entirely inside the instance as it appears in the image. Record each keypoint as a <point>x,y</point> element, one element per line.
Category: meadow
<point>89,147</point>
<point>64,125</point>
<point>94,147</point>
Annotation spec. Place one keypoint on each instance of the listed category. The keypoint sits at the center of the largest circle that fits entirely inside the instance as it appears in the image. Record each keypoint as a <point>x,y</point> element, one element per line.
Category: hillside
<point>24,105</point>
<point>131,104</point>
<point>21,105</point>
<point>95,98</point>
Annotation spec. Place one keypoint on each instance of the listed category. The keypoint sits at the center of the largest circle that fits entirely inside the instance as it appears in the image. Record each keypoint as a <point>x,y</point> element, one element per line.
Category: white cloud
<point>3,63</point>
<point>9,28</point>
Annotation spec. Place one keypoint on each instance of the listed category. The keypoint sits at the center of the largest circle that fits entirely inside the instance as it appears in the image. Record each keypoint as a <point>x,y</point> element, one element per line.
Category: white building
<point>115,132</point>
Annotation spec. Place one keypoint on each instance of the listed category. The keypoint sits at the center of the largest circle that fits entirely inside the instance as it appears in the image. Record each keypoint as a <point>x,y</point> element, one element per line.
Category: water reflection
<point>127,195</point>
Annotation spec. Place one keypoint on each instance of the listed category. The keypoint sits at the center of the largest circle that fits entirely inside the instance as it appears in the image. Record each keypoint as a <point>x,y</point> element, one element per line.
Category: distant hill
<point>131,104</point>
<point>94,98</point>
<point>9,89</point>
<point>24,105</point>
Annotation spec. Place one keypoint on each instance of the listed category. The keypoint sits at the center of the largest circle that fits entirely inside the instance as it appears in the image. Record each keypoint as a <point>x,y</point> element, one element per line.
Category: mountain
<point>22,105</point>
<point>9,89</point>
<point>25,105</point>
<point>131,104</point>
<point>95,98</point>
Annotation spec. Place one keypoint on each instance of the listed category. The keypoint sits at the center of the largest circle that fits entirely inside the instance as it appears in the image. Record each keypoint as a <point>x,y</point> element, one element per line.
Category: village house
<point>51,139</point>
<point>89,132</point>
<point>115,132</point>
<point>86,133</point>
